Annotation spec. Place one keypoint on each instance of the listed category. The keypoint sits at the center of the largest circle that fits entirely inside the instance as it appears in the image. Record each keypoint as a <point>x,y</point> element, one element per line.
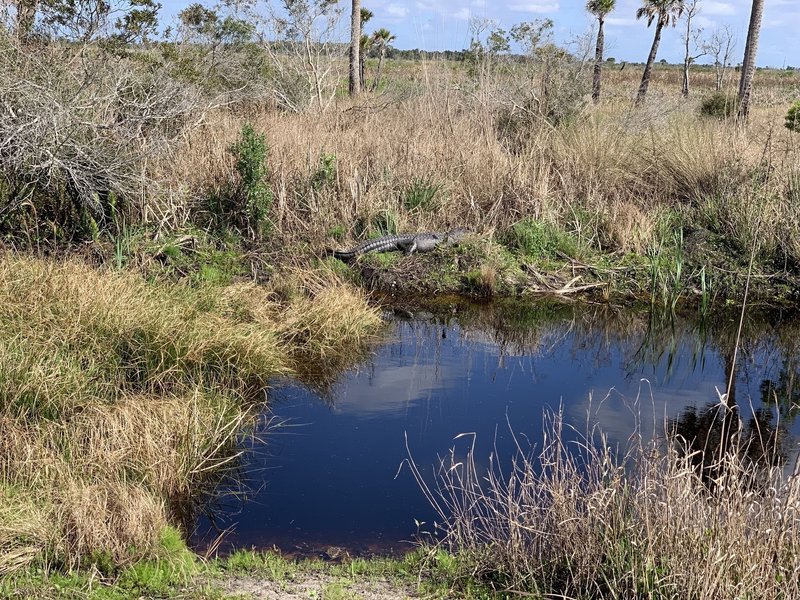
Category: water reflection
<point>331,478</point>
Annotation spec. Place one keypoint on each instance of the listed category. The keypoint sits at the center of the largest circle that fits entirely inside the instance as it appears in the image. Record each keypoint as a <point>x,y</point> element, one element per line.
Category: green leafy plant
<point>326,171</point>
<point>421,194</point>
<point>251,198</point>
<point>719,106</point>
<point>793,117</point>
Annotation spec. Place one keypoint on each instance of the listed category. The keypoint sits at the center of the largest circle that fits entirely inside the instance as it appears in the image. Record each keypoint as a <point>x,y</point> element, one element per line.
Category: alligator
<point>406,242</point>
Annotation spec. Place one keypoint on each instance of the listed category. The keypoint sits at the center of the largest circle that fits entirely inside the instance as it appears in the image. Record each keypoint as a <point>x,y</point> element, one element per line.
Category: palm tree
<point>663,12</point>
<point>381,38</point>
<point>599,8</point>
<point>355,46</point>
<point>366,44</point>
<point>749,62</point>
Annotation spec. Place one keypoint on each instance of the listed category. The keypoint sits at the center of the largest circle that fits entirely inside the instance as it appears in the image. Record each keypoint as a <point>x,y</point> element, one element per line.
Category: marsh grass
<point>587,519</point>
<point>123,401</point>
<point>607,177</point>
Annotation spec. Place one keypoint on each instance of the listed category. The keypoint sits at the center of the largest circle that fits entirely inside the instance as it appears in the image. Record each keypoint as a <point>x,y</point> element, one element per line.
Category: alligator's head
<point>455,235</point>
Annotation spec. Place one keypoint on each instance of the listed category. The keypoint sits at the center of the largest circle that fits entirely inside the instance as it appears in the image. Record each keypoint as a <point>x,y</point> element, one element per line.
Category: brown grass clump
<point>123,401</point>
<point>74,336</point>
<point>24,530</point>
<point>608,176</point>
<point>324,313</point>
<point>584,520</point>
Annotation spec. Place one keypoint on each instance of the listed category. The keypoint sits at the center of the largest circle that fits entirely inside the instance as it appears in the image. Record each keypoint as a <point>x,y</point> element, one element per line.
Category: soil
<point>319,586</point>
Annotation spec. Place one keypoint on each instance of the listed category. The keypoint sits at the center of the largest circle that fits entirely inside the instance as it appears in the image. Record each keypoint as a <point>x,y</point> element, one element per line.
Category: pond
<point>330,470</point>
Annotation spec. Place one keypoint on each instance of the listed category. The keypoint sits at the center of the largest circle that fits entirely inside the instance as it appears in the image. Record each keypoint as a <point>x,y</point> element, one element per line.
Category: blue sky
<point>444,24</point>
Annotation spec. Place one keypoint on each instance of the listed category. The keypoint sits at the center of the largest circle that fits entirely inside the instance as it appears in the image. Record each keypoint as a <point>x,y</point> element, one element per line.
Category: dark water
<point>333,473</point>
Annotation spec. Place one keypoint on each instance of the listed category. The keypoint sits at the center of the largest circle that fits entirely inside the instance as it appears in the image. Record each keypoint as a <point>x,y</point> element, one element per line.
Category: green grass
<point>172,571</point>
<point>536,239</point>
<point>269,565</point>
<point>420,195</point>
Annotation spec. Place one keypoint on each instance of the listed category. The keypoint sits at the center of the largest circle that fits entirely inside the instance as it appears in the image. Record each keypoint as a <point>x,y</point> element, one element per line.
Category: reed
<point>672,518</point>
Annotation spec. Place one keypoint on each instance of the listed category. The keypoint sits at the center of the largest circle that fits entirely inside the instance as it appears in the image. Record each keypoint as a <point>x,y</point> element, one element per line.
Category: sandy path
<point>316,586</point>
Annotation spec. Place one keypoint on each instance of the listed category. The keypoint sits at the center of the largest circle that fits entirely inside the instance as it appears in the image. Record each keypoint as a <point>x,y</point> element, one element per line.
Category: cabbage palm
<point>365,46</point>
<point>381,39</point>
<point>599,8</point>
<point>663,12</point>
<point>355,47</point>
<point>749,62</point>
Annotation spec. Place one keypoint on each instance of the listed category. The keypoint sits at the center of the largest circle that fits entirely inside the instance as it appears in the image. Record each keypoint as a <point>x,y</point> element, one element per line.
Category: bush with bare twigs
<point>78,128</point>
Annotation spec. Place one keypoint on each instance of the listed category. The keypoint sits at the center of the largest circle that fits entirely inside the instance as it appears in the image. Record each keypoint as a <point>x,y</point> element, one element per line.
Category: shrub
<point>80,135</point>
<point>793,117</point>
<point>326,171</point>
<point>246,203</point>
<point>719,105</point>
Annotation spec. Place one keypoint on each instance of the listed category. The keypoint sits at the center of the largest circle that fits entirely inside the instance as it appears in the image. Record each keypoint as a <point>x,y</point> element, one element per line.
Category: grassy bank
<point>123,400</point>
<point>630,200</point>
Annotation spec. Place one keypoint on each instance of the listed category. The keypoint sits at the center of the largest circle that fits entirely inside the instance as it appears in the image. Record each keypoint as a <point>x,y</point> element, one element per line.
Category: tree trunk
<point>378,72</point>
<point>362,59</point>
<point>749,61</point>
<point>598,62</point>
<point>685,90</point>
<point>648,68</point>
<point>355,47</point>
<point>26,16</point>
<point>686,58</point>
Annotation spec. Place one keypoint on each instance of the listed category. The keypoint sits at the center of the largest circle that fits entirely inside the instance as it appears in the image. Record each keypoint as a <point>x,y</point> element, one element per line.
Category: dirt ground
<point>316,586</point>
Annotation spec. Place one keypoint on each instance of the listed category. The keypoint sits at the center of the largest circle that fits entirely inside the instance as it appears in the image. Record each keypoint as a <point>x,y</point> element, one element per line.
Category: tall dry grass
<point>584,519</point>
<point>609,175</point>
<point>122,402</point>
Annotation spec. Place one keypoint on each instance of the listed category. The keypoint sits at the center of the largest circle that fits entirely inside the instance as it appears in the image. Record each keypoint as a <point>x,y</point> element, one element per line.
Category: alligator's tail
<point>343,255</point>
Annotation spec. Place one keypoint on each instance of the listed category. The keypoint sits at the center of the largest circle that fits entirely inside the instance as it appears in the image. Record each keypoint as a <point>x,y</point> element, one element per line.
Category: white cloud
<point>704,22</point>
<point>713,7</point>
<point>621,21</point>
<point>535,7</point>
<point>397,10</point>
<point>463,13</point>
<point>785,20</point>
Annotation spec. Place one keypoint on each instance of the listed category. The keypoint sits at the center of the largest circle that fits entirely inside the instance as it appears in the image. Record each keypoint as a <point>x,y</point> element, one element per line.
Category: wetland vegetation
<point>166,203</point>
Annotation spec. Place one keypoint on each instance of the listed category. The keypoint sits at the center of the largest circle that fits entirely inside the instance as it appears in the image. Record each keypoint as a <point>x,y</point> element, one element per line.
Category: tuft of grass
<point>537,239</point>
<point>672,518</point>
<point>174,565</point>
<point>420,195</point>
<point>271,565</point>
<point>24,531</point>
<point>324,315</point>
